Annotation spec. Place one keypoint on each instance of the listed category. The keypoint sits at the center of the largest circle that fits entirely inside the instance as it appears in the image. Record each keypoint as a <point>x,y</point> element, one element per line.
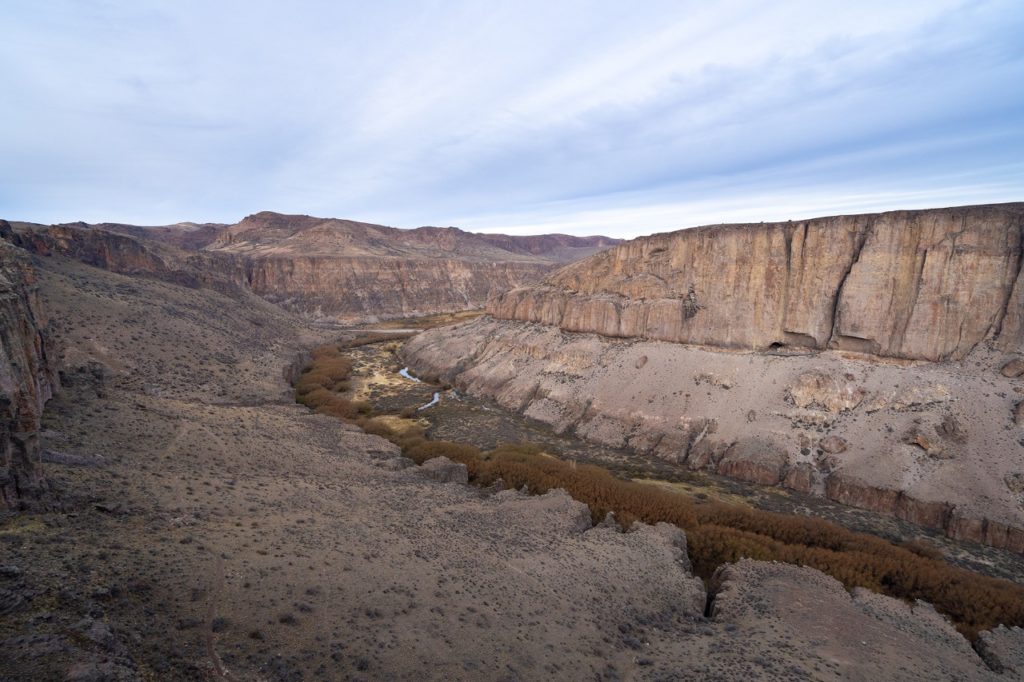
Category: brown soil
<point>212,528</point>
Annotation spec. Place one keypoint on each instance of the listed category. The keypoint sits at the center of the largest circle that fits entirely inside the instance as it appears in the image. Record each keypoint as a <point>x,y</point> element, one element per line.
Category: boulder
<point>444,470</point>
<point>930,444</point>
<point>1013,369</point>
<point>824,391</point>
<point>833,444</point>
<point>800,478</point>
<point>756,460</point>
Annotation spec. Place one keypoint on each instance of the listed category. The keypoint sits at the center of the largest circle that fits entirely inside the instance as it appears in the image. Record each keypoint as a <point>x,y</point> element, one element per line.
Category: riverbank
<point>720,532</point>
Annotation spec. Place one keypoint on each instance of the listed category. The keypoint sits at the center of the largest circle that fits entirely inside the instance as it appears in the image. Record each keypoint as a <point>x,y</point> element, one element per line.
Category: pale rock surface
<point>591,386</point>
<point>909,284</point>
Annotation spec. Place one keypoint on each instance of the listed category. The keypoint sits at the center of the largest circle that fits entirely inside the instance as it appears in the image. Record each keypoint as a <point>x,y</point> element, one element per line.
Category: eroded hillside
<point>211,528</point>
<point>796,357</point>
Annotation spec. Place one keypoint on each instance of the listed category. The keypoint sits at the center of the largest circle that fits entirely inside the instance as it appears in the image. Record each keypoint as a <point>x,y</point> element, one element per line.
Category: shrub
<point>328,370</point>
<point>718,533</point>
<point>367,339</point>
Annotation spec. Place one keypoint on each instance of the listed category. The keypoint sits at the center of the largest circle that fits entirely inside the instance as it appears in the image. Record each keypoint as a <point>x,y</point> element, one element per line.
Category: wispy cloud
<point>527,116</point>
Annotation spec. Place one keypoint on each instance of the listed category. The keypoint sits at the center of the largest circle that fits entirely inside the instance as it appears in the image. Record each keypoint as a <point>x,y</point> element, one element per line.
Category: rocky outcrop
<point>132,256</point>
<point>1002,649</point>
<point>866,632</point>
<point>443,470</point>
<point>27,377</point>
<point>929,285</point>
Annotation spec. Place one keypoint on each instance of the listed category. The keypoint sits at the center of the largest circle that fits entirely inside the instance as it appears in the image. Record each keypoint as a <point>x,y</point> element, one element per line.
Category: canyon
<point>176,515</point>
<point>327,270</point>
<point>869,359</point>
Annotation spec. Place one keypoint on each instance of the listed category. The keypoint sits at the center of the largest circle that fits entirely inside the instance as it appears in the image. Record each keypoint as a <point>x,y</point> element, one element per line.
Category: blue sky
<point>524,117</point>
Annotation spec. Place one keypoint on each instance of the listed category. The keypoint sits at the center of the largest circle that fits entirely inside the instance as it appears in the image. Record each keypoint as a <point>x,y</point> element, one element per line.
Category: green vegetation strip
<point>717,532</point>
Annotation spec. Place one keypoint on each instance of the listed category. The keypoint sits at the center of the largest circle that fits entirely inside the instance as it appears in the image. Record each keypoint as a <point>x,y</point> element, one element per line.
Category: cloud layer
<point>523,116</point>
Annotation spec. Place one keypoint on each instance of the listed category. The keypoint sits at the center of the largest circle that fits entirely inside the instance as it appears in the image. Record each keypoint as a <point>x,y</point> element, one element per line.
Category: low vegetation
<point>717,532</point>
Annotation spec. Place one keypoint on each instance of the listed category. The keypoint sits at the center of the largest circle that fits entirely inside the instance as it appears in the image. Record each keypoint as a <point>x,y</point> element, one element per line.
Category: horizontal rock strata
<point>927,285</point>
<point>342,287</point>
<point>321,268</point>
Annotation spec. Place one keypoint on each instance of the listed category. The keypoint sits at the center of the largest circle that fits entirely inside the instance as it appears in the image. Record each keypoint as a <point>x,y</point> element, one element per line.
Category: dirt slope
<point>215,530</point>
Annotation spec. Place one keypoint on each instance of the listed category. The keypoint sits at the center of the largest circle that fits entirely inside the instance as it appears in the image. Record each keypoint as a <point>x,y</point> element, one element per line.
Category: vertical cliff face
<point>911,284</point>
<point>27,378</point>
<point>368,287</point>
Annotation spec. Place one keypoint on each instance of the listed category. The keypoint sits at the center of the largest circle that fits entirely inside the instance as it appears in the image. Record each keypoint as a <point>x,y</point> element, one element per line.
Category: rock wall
<point>344,269</point>
<point>372,287</point>
<point>324,285</point>
<point>27,377</point>
<point>130,256</point>
<point>925,285</point>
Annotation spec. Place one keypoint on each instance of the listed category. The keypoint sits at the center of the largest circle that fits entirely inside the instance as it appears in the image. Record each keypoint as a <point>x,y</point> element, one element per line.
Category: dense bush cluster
<point>717,532</point>
<point>320,385</point>
<point>367,339</point>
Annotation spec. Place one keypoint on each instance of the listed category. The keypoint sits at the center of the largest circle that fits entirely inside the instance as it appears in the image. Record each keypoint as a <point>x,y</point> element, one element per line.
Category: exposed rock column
<point>27,379</point>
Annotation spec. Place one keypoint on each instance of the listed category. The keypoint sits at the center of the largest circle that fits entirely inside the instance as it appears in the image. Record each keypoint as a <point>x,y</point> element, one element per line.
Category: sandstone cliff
<point>27,377</point>
<point>934,444</point>
<point>909,284</point>
<point>339,287</point>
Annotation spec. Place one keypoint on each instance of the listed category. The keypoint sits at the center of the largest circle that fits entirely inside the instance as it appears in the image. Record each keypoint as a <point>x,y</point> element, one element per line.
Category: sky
<point>583,117</point>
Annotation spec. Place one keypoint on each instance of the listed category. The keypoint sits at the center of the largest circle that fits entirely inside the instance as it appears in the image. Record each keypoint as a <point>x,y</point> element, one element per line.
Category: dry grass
<point>717,532</point>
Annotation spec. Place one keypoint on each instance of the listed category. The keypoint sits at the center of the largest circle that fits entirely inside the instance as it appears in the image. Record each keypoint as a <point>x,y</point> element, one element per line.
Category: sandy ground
<point>212,529</point>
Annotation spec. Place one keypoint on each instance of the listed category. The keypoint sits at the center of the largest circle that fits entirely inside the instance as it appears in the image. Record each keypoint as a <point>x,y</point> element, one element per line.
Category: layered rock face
<point>117,252</point>
<point>925,285</point>
<point>342,269</point>
<point>935,446</point>
<point>321,268</point>
<point>342,288</point>
<point>27,377</point>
